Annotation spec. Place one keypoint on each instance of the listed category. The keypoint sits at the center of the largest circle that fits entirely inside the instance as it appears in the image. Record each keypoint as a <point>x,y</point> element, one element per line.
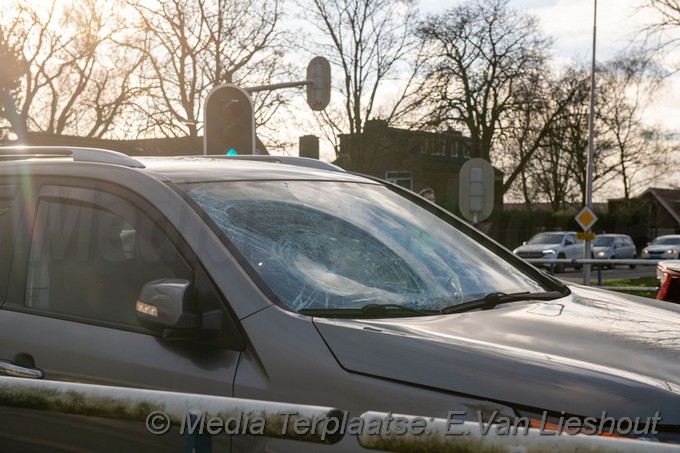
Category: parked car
<point>668,273</point>
<point>552,245</point>
<point>666,247</point>
<point>290,280</point>
<point>614,246</point>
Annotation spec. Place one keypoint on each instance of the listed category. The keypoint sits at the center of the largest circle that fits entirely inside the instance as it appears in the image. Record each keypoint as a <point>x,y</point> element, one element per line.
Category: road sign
<point>586,218</point>
<point>476,190</point>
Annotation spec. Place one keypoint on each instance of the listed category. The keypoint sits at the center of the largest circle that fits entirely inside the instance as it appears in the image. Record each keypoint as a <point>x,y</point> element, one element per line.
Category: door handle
<point>22,366</point>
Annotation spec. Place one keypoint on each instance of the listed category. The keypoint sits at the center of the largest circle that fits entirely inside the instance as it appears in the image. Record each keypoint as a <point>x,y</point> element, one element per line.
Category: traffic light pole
<point>277,86</point>
<point>228,116</point>
<point>318,84</point>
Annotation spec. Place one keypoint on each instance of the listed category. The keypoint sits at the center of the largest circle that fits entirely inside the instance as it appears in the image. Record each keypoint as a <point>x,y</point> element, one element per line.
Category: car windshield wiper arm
<point>497,298</point>
<point>387,308</point>
<point>369,310</point>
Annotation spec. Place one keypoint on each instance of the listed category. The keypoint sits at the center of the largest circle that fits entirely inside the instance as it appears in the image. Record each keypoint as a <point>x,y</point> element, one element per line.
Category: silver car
<point>666,247</point>
<point>552,245</point>
<point>257,279</point>
<point>614,246</point>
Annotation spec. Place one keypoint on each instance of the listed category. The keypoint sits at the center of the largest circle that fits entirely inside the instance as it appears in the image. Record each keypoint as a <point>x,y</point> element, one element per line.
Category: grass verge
<point>641,281</point>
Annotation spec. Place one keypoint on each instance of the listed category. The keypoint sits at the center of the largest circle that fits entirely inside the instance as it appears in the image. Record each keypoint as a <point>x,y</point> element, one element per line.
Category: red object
<point>669,281</point>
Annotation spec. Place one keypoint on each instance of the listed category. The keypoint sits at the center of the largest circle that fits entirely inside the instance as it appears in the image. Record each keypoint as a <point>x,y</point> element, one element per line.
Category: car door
<point>629,247</point>
<point>573,249</point>
<point>80,253</point>
<point>620,250</point>
<point>632,246</point>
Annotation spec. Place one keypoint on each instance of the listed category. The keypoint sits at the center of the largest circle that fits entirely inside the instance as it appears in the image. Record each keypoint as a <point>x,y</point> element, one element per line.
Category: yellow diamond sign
<point>586,218</point>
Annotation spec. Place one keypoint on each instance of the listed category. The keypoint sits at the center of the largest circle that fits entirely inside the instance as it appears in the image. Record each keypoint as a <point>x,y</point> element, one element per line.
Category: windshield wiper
<point>370,310</point>
<point>497,298</point>
<point>392,308</point>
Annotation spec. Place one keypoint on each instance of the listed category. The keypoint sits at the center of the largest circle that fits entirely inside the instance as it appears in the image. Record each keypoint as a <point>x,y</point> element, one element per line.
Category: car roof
<point>673,236</point>
<point>613,235</point>
<point>182,169</point>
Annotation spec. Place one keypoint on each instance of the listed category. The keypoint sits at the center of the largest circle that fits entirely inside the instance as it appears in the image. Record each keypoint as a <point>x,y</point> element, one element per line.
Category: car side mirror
<point>166,306</point>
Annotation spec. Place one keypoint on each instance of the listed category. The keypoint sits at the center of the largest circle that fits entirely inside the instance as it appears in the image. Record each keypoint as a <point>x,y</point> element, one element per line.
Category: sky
<point>570,24</point>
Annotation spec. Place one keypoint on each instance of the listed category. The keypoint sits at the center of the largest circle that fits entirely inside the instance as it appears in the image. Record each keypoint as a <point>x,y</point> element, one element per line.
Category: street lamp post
<point>587,247</point>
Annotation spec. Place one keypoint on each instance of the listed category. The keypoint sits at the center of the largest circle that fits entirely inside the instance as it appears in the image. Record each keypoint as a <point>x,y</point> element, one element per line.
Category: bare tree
<point>624,145</point>
<point>559,167</point>
<point>484,52</point>
<point>547,98</point>
<point>191,46</point>
<point>12,68</point>
<point>661,34</point>
<point>74,82</point>
<point>372,44</point>
<point>628,84</point>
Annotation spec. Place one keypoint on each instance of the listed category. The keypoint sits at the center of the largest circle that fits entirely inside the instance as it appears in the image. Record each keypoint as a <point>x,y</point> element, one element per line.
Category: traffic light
<point>319,90</point>
<point>228,121</point>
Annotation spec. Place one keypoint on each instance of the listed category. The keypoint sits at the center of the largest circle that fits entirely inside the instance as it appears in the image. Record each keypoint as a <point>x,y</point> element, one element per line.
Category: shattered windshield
<point>346,245</point>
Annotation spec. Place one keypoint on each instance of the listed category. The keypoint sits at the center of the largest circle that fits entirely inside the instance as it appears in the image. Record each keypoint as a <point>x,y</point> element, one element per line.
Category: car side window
<point>7,214</point>
<point>91,262</point>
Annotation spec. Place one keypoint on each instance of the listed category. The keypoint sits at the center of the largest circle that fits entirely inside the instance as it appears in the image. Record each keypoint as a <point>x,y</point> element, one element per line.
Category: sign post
<point>586,218</point>
<point>591,146</point>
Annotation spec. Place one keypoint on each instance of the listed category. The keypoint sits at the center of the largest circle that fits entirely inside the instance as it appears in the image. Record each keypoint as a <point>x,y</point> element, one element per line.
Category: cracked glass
<point>344,245</point>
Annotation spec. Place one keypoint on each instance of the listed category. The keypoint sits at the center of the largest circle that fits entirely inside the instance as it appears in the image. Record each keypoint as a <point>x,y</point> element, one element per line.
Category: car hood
<point>672,265</point>
<point>535,247</point>
<point>600,249</point>
<point>590,352</point>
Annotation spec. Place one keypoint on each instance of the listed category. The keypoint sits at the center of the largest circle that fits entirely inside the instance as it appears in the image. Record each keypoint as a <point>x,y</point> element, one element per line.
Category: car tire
<point>559,267</point>
<point>610,266</point>
<point>634,257</point>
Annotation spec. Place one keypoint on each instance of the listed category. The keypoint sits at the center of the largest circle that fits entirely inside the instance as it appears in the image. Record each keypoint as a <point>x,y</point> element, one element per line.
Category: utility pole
<point>587,247</point>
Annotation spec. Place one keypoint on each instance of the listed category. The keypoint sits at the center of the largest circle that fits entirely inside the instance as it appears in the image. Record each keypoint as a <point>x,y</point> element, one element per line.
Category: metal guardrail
<point>600,263</point>
<point>387,432</point>
<point>168,408</point>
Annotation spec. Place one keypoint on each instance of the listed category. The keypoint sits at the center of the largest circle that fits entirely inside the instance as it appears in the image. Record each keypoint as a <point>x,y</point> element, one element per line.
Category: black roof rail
<point>287,160</point>
<point>79,154</point>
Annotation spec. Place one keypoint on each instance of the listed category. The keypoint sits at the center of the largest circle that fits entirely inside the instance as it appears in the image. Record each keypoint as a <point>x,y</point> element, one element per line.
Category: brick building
<point>412,159</point>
